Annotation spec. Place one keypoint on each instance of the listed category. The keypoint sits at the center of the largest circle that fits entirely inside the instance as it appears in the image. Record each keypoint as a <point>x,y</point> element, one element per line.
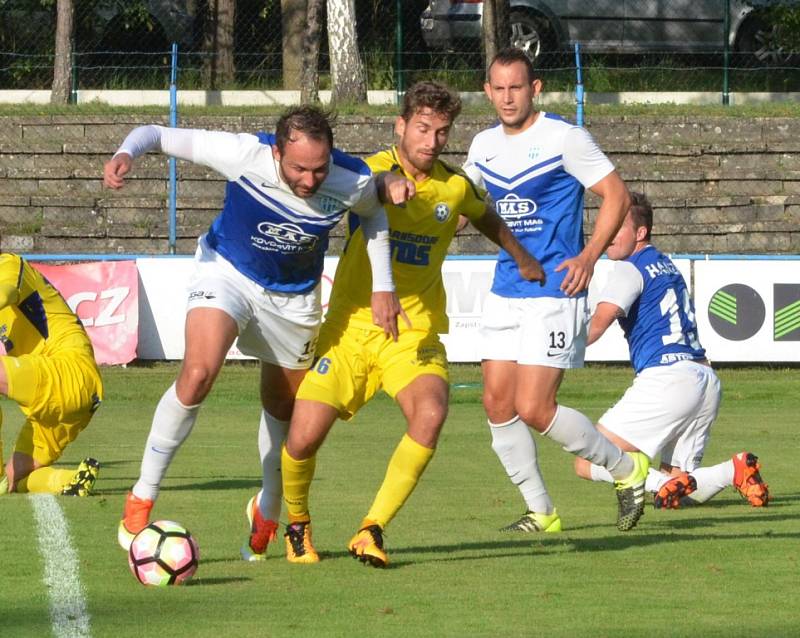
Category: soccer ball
<point>163,553</point>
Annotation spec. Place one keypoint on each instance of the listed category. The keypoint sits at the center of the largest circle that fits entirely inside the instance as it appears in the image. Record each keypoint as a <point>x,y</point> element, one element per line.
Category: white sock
<point>514,445</point>
<point>172,423</point>
<point>271,435</point>
<point>655,479</point>
<point>600,474</point>
<point>577,434</point>
<point>711,481</point>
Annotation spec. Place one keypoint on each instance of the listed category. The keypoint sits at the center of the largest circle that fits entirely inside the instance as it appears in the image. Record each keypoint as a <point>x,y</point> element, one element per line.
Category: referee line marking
<point>68,613</point>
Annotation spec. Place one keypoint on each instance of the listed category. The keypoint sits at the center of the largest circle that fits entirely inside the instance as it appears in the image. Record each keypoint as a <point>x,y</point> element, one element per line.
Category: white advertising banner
<point>748,310</point>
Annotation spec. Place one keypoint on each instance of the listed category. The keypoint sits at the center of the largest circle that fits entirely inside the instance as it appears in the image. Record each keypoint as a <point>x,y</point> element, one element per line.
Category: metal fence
<point>637,45</point>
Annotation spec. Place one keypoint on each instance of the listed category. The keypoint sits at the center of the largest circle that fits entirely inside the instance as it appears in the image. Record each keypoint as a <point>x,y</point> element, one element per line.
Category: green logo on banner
<point>787,312</point>
<point>736,312</point>
<point>723,306</point>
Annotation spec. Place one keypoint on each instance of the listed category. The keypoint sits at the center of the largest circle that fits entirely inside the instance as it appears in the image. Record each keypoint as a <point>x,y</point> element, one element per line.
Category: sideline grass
<point>723,569</point>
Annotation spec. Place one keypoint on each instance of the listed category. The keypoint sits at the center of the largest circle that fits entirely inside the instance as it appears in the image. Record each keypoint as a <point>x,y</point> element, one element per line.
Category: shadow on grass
<point>563,544</point>
<point>217,484</point>
<point>207,582</point>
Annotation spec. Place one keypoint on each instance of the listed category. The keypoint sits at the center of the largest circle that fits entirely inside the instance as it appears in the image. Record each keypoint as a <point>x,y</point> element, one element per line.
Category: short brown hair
<point>309,120</point>
<point>432,95</point>
<point>641,212</point>
<point>509,55</point>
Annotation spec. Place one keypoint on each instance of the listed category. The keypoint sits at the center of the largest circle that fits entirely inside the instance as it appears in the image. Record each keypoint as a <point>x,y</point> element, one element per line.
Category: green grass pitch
<point>724,569</point>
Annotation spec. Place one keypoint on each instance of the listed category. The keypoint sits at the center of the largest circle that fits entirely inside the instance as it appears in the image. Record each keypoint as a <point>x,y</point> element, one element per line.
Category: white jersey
<point>537,179</point>
<point>264,230</point>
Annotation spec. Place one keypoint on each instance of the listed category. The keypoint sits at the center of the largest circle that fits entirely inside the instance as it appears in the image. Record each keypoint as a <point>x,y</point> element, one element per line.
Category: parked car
<point>611,26</point>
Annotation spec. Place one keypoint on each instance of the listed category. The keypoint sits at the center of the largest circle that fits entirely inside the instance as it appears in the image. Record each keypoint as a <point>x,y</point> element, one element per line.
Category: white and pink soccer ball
<point>163,553</point>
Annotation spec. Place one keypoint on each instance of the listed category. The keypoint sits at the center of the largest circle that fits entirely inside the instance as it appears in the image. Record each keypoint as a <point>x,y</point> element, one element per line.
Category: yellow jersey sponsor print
<point>420,234</point>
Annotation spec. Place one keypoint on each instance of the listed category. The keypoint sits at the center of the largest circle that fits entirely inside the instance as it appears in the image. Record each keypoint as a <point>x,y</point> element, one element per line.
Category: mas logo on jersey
<point>285,238</point>
<point>442,212</point>
<point>514,207</point>
<point>534,152</point>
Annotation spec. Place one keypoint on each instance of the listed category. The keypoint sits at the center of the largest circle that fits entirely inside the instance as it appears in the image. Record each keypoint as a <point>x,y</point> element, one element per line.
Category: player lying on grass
<point>355,358</point>
<point>48,368</point>
<point>669,409</point>
<point>257,278</point>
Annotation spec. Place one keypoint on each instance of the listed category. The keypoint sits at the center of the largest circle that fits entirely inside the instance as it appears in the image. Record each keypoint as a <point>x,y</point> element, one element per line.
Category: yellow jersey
<point>40,322</point>
<point>420,234</point>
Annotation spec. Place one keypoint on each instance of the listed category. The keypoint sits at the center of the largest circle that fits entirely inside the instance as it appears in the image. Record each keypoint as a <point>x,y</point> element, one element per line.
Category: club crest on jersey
<point>329,204</point>
<point>442,212</point>
<point>514,207</point>
<point>286,238</point>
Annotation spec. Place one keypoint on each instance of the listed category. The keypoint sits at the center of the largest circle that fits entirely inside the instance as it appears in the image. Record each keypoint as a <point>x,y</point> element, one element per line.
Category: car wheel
<point>762,41</point>
<point>530,33</point>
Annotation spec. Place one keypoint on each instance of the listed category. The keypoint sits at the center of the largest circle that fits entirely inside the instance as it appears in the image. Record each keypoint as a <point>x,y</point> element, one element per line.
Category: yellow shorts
<point>58,394</point>
<point>353,364</point>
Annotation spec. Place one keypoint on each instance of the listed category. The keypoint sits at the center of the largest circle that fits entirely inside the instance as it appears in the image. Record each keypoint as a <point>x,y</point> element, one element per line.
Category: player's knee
<point>280,407</point>
<point>194,384</point>
<point>499,408</point>
<point>302,446</point>
<point>426,424</point>
<point>537,415</point>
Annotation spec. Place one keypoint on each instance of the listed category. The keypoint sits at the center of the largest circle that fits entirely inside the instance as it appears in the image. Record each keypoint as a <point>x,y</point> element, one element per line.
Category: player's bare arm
<point>394,189</point>
<point>604,315</point>
<point>385,310</point>
<point>115,170</point>
<point>613,208</point>
<point>492,226</point>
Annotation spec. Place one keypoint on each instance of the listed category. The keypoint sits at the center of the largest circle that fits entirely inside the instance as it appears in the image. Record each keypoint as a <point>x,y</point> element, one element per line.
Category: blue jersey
<point>536,179</point>
<point>659,322</point>
<point>264,230</point>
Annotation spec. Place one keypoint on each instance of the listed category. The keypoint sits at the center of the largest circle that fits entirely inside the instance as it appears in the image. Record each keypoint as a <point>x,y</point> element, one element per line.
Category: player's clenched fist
<point>394,189</point>
<point>115,170</point>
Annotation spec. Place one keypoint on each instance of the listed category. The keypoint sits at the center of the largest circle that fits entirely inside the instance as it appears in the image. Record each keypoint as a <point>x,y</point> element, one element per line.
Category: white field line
<point>68,613</point>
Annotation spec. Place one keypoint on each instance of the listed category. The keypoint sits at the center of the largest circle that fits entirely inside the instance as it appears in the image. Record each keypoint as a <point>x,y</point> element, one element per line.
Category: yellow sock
<point>47,480</point>
<point>296,476</point>
<point>405,467</point>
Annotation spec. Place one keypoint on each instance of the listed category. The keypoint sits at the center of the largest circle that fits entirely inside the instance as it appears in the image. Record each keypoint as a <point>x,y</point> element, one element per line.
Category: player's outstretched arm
<point>604,315</point>
<point>492,226</point>
<point>394,189</point>
<point>175,142</point>
<point>614,206</point>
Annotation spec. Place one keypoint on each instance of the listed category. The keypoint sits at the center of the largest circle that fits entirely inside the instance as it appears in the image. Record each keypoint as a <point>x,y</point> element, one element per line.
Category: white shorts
<point>275,327</point>
<point>538,331</point>
<point>668,410</point>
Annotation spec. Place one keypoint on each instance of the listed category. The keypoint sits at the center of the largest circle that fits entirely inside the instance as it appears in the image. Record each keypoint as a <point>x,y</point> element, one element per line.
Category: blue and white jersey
<point>659,321</point>
<point>265,231</point>
<point>537,179</point>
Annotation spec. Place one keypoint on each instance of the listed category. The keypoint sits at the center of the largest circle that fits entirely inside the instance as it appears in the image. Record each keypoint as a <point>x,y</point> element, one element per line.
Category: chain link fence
<point>631,45</point>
